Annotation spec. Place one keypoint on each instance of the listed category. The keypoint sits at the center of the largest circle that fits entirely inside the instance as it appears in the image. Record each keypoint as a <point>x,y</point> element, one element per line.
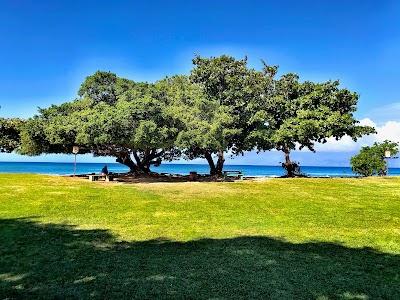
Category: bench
<point>233,173</point>
<point>95,177</point>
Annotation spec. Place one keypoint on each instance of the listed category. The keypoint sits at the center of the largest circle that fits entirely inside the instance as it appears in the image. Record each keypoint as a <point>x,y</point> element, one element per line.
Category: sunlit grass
<point>355,212</point>
<point>66,238</point>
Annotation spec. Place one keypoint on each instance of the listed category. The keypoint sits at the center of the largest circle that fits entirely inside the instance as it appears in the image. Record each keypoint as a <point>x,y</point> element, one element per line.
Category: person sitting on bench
<point>104,171</point>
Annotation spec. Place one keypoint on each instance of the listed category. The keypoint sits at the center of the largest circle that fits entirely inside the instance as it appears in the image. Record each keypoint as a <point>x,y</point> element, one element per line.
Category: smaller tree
<point>371,160</point>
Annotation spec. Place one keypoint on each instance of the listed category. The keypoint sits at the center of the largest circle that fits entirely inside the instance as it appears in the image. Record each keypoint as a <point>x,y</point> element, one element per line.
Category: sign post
<point>75,150</point>
<point>387,156</point>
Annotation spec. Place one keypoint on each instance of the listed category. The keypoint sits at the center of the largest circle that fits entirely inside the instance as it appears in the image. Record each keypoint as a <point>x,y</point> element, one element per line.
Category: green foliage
<point>204,122</point>
<point>10,134</point>
<point>371,160</point>
<point>292,114</point>
<point>115,117</point>
<point>222,125</point>
<point>222,106</point>
<point>101,87</point>
<point>53,130</point>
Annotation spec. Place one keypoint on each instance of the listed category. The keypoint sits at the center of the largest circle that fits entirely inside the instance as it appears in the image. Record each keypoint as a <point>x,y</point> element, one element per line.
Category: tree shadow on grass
<point>48,261</point>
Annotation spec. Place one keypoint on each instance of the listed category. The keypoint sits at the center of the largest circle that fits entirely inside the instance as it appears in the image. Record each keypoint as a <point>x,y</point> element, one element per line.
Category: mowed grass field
<point>66,238</point>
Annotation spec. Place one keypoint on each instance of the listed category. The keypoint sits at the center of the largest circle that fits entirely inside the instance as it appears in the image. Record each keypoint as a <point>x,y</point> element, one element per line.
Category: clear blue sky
<point>49,47</point>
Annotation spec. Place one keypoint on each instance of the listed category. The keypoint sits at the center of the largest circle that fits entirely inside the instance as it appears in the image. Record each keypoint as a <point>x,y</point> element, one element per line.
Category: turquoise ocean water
<point>183,169</point>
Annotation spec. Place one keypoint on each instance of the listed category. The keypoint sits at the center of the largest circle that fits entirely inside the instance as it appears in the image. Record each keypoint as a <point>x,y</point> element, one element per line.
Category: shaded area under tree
<point>50,261</point>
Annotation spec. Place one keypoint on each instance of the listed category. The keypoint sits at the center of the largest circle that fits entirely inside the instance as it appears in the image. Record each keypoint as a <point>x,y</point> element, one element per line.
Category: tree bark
<point>213,170</point>
<point>124,158</point>
<point>220,162</point>
<point>145,163</point>
<point>142,164</point>
<point>150,157</point>
<point>288,165</point>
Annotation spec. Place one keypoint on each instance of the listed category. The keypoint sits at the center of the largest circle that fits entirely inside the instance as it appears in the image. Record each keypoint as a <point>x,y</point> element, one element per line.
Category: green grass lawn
<point>65,238</point>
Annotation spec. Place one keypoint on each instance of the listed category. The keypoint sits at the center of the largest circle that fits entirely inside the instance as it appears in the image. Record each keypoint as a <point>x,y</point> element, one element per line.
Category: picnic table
<point>96,177</point>
<point>233,173</point>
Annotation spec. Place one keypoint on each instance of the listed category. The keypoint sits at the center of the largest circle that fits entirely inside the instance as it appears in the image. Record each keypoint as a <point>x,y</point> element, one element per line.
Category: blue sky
<point>49,47</point>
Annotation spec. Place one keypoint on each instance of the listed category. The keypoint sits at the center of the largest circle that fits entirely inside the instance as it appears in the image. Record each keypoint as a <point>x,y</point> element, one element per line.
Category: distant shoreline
<point>63,168</point>
<point>168,163</point>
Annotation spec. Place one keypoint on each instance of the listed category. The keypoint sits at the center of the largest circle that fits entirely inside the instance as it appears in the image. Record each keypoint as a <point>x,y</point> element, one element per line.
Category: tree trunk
<point>213,170</point>
<point>145,167</point>
<point>289,166</point>
<point>150,157</point>
<point>142,164</point>
<point>124,158</point>
<point>220,162</point>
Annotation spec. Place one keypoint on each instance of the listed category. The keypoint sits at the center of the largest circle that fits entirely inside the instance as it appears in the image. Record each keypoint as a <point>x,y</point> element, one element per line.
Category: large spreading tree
<point>114,117</point>
<point>222,107</point>
<point>222,123</point>
<point>205,126</point>
<point>294,115</point>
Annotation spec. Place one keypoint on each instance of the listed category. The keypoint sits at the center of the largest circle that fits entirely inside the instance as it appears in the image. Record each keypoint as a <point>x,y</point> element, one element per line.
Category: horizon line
<point>200,164</point>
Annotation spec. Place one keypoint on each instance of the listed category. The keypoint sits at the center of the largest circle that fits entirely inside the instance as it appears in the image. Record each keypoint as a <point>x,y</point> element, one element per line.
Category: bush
<point>371,160</point>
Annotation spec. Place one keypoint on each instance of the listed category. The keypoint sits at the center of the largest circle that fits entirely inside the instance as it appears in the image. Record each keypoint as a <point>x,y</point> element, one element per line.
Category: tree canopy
<point>205,126</point>
<point>222,107</point>
<point>294,115</point>
<point>116,118</point>
<point>222,126</point>
<point>10,134</point>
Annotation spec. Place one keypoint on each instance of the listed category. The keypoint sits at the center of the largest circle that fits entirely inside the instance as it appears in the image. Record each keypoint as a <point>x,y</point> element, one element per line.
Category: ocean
<point>183,169</point>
